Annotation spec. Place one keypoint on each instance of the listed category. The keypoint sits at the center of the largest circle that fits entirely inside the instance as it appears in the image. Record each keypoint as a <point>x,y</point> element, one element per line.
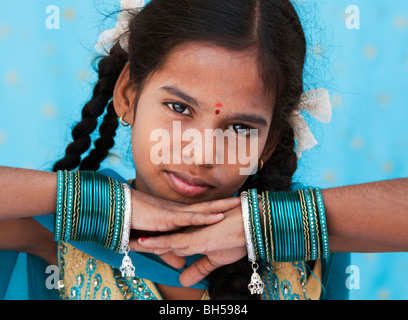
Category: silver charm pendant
<point>256,286</point>
<point>127,268</point>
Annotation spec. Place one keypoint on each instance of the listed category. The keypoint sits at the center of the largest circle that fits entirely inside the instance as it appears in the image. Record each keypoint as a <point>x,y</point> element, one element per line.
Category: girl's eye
<point>178,107</point>
<point>240,129</point>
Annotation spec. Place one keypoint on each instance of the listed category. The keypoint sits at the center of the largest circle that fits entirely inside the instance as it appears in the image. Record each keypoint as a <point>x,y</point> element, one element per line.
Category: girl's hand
<point>157,215</point>
<point>221,243</point>
<point>153,216</point>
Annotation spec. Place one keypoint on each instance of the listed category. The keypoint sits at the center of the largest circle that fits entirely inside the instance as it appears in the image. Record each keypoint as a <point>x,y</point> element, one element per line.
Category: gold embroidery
<point>85,278</point>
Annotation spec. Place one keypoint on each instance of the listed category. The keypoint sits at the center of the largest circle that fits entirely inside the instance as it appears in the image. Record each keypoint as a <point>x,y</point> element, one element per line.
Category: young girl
<point>203,65</point>
<point>182,59</point>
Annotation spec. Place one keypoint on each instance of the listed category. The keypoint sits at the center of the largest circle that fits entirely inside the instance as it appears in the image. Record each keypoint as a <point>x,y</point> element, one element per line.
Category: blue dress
<point>24,276</point>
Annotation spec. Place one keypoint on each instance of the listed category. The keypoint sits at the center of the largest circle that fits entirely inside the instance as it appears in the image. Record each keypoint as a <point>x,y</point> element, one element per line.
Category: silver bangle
<point>127,220</point>
<point>247,227</point>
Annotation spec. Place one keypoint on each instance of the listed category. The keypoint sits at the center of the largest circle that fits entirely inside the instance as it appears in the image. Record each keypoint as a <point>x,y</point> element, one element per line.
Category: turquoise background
<point>46,76</point>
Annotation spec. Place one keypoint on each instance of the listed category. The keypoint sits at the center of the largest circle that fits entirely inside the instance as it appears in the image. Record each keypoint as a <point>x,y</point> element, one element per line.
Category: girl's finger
<point>197,272</point>
<point>173,220</point>
<point>172,241</point>
<point>215,206</point>
<point>191,218</point>
<point>173,260</point>
<point>177,243</point>
<point>167,256</point>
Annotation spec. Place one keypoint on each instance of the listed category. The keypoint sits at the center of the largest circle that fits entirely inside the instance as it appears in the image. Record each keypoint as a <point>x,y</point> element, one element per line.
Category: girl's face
<point>200,88</point>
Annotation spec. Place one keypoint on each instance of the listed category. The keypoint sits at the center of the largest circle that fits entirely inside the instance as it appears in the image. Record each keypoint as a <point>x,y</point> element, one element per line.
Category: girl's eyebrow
<point>177,92</point>
<point>253,118</point>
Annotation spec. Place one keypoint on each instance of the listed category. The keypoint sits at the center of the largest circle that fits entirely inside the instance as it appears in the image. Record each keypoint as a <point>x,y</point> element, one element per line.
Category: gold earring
<point>122,122</point>
<point>261,164</point>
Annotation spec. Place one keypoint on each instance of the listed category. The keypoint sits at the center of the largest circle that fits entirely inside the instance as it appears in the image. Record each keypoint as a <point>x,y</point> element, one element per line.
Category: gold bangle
<point>268,205</point>
<point>305,225</point>
<point>111,218</point>
<point>76,205</point>
<point>317,223</point>
<point>265,233</point>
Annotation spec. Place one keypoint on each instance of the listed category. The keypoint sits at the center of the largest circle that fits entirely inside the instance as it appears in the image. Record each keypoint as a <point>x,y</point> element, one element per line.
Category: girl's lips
<point>187,186</point>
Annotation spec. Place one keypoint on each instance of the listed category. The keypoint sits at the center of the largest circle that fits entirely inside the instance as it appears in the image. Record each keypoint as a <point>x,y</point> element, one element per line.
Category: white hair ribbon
<point>109,37</point>
<point>317,103</point>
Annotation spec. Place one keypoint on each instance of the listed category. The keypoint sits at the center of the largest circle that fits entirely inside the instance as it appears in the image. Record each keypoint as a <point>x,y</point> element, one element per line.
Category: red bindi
<point>218,105</point>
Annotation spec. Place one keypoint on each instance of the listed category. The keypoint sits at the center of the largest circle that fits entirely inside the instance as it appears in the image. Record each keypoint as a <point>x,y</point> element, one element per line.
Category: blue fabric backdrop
<point>46,76</point>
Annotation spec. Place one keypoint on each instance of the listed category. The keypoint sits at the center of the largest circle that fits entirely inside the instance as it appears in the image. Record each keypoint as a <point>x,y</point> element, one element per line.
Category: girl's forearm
<point>27,235</point>
<point>368,217</point>
<point>26,193</point>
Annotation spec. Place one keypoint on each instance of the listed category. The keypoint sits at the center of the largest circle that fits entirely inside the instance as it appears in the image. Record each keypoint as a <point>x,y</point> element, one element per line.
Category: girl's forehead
<point>216,73</point>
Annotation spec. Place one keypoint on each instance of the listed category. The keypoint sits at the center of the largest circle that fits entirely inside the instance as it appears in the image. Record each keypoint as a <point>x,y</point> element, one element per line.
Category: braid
<point>279,169</point>
<point>231,281</point>
<point>107,132</point>
<point>109,69</point>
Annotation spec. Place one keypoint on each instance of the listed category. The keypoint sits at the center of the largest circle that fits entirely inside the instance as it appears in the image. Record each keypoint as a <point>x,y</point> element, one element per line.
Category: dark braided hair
<point>109,69</point>
<point>272,27</point>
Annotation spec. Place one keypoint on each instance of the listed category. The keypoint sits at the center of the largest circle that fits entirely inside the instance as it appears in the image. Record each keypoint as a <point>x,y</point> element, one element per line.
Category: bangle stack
<point>291,227</point>
<point>94,208</point>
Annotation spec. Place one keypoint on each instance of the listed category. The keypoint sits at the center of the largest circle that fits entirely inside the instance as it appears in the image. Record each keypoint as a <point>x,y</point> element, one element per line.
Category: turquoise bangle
<point>268,250</point>
<point>312,225</point>
<point>257,223</point>
<point>97,218</point>
<point>98,209</point>
<point>117,207</point>
<point>67,235</point>
<point>84,200</point>
<point>270,225</point>
<point>278,228</point>
<point>323,224</point>
<point>273,226</point>
<point>288,231</point>
<point>90,208</point>
<point>58,214</point>
<point>103,209</point>
<point>299,225</point>
<point>281,228</point>
<point>88,194</point>
<point>293,227</point>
